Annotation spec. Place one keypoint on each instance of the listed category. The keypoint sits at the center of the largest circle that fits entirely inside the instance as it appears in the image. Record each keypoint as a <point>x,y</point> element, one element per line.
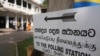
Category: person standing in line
<point>18,24</point>
<point>28,26</point>
<point>24,26</point>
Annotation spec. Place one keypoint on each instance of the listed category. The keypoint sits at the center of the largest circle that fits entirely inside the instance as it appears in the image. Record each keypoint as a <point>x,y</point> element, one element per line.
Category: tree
<point>45,3</point>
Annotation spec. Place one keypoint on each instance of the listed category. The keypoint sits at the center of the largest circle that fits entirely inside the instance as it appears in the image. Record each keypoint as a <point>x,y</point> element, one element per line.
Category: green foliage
<point>23,45</point>
<point>45,3</point>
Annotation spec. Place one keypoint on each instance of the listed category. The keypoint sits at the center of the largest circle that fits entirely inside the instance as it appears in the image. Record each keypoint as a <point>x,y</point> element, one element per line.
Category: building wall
<point>2,13</point>
<point>12,7</point>
<point>55,5</point>
<point>12,12</point>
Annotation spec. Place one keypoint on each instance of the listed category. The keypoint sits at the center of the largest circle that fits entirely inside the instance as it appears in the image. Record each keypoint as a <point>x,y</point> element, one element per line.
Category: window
<point>18,2</point>
<point>24,4</point>
<point>29,6</point>
<point>11,1</point>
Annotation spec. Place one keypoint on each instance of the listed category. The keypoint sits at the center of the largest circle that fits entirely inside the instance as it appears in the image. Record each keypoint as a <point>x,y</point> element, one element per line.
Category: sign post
<point>73,32</point>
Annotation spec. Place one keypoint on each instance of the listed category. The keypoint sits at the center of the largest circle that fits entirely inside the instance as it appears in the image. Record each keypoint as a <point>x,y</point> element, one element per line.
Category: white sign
<point>74,32</point>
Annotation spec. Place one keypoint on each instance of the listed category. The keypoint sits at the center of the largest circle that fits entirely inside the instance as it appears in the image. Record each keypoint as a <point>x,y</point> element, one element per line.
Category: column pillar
<point>22,3</point>
<point>15,2</point>
<point>22,23</point>
<point>27,21</point>
<point>27,4</point>
<point>7,21</point>
<point>16,22</point>
<point>6,0</point>
<point>31,22</point>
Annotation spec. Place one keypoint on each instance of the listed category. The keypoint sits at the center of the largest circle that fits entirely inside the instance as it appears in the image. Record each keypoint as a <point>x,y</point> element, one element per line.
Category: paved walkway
<point>14,36</point>
<point>8,49</point>
<point>8,38</point>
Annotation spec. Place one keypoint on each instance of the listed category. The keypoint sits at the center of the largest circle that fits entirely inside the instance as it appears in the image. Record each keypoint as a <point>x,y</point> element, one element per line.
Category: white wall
<point>20,9</point>
<point>39,1</point>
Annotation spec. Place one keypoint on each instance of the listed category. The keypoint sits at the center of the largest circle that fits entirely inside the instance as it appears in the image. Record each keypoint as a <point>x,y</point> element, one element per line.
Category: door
<point>11,20</point>
<point>2,22</point>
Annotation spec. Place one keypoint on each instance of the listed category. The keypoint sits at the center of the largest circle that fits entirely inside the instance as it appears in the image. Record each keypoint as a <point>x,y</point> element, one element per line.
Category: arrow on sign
<point>65,16</point>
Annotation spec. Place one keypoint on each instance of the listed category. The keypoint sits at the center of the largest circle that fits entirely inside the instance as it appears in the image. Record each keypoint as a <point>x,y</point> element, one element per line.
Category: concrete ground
<point>8,40</point>
<point>9,35</point>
